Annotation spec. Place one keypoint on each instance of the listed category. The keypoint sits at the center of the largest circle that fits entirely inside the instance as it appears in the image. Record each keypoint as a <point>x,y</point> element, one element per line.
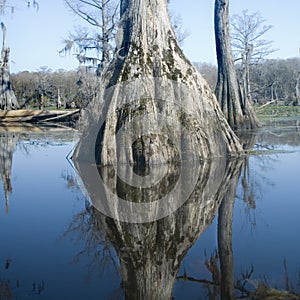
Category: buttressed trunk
<point>236,108</point>
<point>156,107</point>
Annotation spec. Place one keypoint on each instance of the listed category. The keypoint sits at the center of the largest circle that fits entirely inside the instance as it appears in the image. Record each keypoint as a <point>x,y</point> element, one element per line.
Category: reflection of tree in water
<point>220,264</point>
<point>9,138</point>
<point>280,132</point>
<point>9,141</point>
<point>150,254</point>
<point>8,144</point>
<point>252,179</point>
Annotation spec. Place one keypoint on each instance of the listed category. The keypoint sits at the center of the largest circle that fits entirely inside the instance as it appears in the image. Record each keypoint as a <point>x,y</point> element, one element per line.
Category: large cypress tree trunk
<point>236,108</point>
<point>8,99</point>
<point>156,95</point>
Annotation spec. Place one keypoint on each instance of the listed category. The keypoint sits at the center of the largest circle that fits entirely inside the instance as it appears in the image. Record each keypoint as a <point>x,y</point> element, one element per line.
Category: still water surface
<point>55,245</point>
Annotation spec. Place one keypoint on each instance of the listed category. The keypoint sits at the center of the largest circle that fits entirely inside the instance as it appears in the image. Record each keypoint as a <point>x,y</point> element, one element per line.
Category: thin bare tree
<point>249,46</point>
<point>93,46</point>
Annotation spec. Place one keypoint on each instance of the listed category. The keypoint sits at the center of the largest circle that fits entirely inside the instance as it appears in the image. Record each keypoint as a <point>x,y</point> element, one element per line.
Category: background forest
<point>273,79</point>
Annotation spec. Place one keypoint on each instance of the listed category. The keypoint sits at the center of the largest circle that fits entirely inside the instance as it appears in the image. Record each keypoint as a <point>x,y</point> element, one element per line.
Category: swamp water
<point>240,221</point>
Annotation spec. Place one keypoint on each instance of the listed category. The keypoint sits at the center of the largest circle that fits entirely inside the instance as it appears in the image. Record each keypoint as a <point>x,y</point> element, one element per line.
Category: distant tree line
<point>271,80</point>
<point>275,80</point>
<point>71,87</point>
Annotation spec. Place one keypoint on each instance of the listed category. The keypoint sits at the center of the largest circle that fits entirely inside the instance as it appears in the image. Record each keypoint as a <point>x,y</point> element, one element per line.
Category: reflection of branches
<point>249,191</point>
<point>252,182</point>
<point>245,287</point>
<point>27,141</point>
<point>86,228</point>
<point>213,267</point>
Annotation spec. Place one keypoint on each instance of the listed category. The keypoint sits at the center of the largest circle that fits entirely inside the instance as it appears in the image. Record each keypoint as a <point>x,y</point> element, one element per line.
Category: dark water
<point>56,245</point>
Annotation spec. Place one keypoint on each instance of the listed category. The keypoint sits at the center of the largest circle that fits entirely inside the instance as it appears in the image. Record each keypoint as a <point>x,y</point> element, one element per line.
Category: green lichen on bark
<point>172,72</point>
<point>132,110</point>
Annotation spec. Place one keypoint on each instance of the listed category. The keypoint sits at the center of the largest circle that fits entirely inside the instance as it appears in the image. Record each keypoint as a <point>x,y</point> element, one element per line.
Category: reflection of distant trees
<point>23,138</point>
<point>280,132</point>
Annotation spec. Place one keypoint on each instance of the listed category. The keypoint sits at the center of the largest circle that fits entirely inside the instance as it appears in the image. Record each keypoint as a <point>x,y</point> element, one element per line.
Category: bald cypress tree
<point>150,76</point>
<point>236,108</point>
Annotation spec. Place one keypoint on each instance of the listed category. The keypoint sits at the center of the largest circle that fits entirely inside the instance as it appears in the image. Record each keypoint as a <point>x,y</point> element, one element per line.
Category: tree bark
<point>297,89</point>
<point>237,109</point>
<point>149,76</point>
<point>8,99</point>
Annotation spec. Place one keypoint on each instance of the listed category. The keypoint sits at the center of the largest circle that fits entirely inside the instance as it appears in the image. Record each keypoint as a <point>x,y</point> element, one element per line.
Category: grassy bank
<point>273,111</point>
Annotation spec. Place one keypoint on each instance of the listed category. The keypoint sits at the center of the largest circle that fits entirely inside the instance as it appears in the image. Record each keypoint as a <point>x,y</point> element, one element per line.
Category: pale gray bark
<point>8,99</point>
<point>237,109</point>
<point>297,89</point>
<point>150,75</point>
<point>246,59</point>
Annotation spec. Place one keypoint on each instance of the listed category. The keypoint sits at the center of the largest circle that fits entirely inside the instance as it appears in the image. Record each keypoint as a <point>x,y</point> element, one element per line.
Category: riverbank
<point>273,111</point>
<point>36,116</point>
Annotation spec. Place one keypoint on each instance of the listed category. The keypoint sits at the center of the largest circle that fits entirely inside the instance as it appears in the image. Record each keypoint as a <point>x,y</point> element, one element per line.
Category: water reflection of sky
<point>45,256</point>
<point>41,208</point>
<point>275,235</point>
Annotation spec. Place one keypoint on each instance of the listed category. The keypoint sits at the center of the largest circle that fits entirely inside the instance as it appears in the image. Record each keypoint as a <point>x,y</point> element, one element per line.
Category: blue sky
<point>197,16</point>
<point>36,37</point>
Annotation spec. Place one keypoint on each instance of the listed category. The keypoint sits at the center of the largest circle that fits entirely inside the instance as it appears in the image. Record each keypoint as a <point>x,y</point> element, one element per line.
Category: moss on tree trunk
<point>155,94</point>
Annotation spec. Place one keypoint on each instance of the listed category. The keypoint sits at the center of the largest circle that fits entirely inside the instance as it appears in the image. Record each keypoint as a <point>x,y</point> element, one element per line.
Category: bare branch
<point>93,46</point>
<point>95,4</point>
